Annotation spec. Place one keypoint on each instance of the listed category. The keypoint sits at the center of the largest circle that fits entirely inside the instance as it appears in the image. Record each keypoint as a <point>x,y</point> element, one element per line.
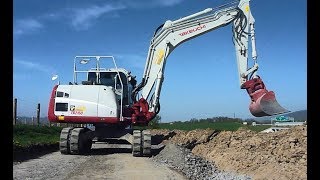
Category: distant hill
<point>297,115</point>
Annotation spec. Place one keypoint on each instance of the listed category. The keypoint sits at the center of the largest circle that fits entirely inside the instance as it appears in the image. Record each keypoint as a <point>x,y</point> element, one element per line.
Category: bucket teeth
<point>266,105</point>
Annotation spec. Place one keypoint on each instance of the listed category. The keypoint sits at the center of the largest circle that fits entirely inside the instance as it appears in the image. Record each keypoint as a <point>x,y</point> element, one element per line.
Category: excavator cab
<point>263,102</point>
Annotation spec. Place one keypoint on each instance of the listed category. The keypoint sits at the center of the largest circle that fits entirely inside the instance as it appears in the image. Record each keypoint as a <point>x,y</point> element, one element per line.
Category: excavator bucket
<point>263,102</point>
<point>266,105</point>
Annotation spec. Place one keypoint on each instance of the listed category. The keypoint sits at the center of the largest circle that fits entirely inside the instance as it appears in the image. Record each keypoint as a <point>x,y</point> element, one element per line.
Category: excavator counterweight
<point>263,102</point>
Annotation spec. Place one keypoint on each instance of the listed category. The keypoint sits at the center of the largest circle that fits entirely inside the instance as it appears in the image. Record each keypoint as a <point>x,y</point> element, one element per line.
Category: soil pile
<point>277,155</point>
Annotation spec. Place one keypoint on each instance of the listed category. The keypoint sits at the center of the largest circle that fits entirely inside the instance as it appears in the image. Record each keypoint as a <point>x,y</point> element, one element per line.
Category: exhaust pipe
<point>263,102</point>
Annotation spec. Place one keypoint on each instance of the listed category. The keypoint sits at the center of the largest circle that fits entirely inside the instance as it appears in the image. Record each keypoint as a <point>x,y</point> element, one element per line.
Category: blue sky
<point>201,77</point>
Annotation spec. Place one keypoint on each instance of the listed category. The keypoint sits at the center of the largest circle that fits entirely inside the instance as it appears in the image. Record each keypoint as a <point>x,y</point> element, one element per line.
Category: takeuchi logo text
<point>77,110</point>
<point>189,31</point>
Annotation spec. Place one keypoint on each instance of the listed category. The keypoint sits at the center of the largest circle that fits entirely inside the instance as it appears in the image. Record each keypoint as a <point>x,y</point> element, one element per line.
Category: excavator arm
<point>172,33</point>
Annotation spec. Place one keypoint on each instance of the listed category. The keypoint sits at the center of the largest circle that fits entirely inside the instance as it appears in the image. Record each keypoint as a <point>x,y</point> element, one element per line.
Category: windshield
<point>107,78</point>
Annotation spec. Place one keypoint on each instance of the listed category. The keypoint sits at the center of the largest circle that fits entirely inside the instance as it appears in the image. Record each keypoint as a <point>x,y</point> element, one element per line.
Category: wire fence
<point>28,112</point>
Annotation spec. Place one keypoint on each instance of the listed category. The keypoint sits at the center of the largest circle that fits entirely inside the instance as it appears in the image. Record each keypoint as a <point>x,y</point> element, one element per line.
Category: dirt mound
<point>192,166</point>
<point>277,155</point>
<point>187,139</point>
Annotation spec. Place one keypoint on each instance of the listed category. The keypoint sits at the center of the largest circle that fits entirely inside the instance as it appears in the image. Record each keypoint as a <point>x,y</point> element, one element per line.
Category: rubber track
<point>64,144</point>
<point>74,141</point>
<point>136,147</point>
<point>146,145</point>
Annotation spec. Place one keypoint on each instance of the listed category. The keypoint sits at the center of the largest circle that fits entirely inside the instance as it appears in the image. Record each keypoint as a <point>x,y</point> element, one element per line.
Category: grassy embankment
<point>27,135</point>
<point>223,126</point>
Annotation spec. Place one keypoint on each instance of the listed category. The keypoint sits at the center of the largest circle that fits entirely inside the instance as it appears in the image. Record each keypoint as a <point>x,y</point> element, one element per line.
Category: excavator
<point>110,101</point>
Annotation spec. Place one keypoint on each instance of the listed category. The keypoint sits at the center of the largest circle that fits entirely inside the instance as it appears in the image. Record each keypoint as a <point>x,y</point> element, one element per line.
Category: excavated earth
<point>256,155</point>
<point>197,154</point>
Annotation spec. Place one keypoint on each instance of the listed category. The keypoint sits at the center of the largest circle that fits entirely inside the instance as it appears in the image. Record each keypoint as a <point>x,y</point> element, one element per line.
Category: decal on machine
<point>79,110</point>
<point>159,56</point>
<point>247,8</point>
<point>189,31</point>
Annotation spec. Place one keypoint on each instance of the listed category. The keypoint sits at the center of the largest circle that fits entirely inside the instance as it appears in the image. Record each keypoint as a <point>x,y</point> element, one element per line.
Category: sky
<point>201,76</point>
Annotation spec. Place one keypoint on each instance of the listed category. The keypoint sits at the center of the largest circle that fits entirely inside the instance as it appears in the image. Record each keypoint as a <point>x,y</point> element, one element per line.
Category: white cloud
<point>34,66</point>
<point>52,16</point>
<point>20,76</point>
<point>143,4</point>
<point>24,26</point>
<point>167,2</point>
<point>83,17</point>
<point>32,25</point>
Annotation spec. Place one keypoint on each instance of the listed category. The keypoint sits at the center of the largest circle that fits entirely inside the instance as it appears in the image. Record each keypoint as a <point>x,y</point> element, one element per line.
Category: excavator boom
<point>172,33</point>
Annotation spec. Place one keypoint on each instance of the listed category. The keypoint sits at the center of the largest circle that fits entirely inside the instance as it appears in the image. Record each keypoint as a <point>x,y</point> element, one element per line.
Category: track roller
<point>136,147</point>
<point>64,144</point>
<point>146,143</point>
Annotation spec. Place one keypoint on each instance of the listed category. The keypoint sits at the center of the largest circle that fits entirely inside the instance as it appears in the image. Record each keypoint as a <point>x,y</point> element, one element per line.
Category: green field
<point>223,126</point>
<point>26,135</point>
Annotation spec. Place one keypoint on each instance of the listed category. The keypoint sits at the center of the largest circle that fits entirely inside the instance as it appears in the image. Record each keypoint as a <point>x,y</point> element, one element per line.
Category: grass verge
<point>27,135</point>
<point>223,126</point>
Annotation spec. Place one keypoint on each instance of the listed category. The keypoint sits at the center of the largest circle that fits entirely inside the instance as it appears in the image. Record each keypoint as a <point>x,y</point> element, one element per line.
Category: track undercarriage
<point>75,140</point>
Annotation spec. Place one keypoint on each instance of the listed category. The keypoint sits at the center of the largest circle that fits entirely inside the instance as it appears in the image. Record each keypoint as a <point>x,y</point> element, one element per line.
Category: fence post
<point>38,115</point>
<point>15,111</point>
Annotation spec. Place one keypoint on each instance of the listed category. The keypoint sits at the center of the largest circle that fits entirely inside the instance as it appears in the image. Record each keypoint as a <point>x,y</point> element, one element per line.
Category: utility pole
<point>38,115</point>
<point>15,111</point>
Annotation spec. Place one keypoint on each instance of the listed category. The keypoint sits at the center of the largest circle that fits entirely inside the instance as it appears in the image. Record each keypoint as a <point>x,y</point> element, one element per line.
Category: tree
<point>194,120</point>
<point>154,123</point>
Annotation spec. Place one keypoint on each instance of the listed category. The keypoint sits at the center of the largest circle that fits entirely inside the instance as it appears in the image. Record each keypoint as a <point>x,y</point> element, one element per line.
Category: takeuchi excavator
<point>111,101</point>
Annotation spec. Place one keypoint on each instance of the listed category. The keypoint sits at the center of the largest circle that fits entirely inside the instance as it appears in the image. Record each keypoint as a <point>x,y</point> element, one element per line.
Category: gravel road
<point>97,165</point>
